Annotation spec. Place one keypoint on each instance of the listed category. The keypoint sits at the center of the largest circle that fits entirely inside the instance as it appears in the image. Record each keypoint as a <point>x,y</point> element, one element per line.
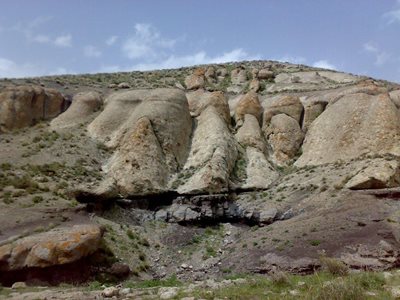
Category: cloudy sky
<point>44,37</point>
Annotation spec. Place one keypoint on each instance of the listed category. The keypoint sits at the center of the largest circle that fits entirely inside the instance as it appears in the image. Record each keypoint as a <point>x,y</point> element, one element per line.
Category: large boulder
<point>379,174</point>
<point>285,137</point>
<point>200,100</point>
<point>238,76</point>
<point>311,112</point>
<point>151,145</point>
<point>22,106</point>
<point>56,247</point>
<point>195,80</point>
<point>353,126</point>
<point>289,105</point>
<point>212,155</point>
<point>118,107</point>
<point>83,105</point>
<point>248,104</point>
<point>259,171</point>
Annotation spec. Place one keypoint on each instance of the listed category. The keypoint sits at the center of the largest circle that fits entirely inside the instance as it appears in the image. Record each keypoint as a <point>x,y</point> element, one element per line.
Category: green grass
<point>168,282</point>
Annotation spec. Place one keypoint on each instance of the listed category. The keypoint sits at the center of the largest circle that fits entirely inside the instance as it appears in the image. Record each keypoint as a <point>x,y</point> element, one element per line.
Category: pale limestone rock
<point>353,126</point>
<point>285,137</point>
<point>289,105</point>
<point>200,100</point>
<point>379,174</point>
<point>248,104</point>
<point>311,112</point>
<point>238,76</point>
<point>83,105</point>
<point>212,155</point>
<point>194,81</point>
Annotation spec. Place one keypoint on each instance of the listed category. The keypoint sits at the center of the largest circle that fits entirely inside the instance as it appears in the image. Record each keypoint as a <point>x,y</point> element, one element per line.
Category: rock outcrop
<point>83,105</point>
<point>195,80</point>
<point>289,105</point>
<point>200,100</point>
<point>248,104</point>
<point>285,137</point>
<point>22,106</point>
<point>354,125</point>
<point>56,247</point>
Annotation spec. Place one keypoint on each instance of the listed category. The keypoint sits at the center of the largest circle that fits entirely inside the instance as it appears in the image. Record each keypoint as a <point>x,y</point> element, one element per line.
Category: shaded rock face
<point>289,105</point>
<point>248,104</point>
<point>83,105</point>
<point>151,144</point>
<point>24,106</point>
<point>56,247</point>
<point>285,137</point>
<point>353,126</point>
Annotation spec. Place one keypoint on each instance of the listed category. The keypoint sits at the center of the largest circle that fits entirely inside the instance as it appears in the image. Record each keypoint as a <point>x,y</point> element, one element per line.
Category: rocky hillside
<point>197,173</point>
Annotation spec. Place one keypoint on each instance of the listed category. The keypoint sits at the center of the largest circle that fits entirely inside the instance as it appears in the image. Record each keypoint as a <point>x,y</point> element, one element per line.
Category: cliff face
<point>310,156</point>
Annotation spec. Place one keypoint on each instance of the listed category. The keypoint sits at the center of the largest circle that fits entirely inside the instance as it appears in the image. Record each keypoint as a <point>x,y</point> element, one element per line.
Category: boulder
<point>379,174</point>
<point>118,107</point>
<point>248,104</point>
<point>265,74</point>
<point>355,125</point>
<point>289,105</point>
<point>210,75</point>
<point>254,85</point>
<point>200,100</point>
<point>212,155</point>
<point>259,171</point>
<point>83,105</point>
<point>56,247</point>
<point>238,76</point>
<point>285,137</point>
<point>124,85</point>
<point>150,145</point>
<point>311,112</point>
<point>395,96</point>
<point>22,106</point>
<point>195,80</point>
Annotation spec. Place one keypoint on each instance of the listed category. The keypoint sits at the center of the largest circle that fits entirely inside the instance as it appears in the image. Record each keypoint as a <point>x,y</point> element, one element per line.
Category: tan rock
<point>379,174</point>
<point>250,134</point>
<point>353,126</point>
<point>22,106</point>
<point>83,105</point>
<point>212,155</point>
<point>395,96</point>
<point>285,137</point>
<point>56,247</point>
<point>194,81</point>
<point>289,105</point>
<point>151,145</point>
<point>254,85</point>
<point>248,104</point>
<point>238,76</point>
<point>265,74</point>
<point>311,112</point>
<point>200,100</point>
<point>210,75</point>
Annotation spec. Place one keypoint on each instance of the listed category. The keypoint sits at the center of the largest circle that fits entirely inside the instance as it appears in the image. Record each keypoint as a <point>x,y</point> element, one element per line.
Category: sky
<point>49,37</point>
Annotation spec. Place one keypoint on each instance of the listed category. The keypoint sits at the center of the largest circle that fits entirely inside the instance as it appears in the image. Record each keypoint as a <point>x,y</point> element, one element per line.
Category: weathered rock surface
<point>265,74</point>
<point>289,105</point>
<point>22,106</point>
<point>353,126</point>
<point>82,106</point>
<point>200,100</point>
<point>380,174</point>
<point>238,76</point>
<point>56,247</point>
<point>212,155</point>
<point>285,137</point>
<point>195,80</point>
<point>311,112</point>
<point>248,104</point>
<point>152,144</point>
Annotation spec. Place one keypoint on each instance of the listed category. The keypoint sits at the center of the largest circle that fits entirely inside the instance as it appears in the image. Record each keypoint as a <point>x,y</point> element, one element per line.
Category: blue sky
<point>44,37</point>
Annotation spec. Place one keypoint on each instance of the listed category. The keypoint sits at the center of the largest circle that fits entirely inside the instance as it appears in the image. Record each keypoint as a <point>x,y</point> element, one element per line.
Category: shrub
<point>334,266</point>
<point>280,278</point>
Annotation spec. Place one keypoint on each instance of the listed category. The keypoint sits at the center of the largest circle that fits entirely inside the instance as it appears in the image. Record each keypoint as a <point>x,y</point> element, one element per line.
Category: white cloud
<point>381,57</point>
<point>111,40</point>
<point>63,41</point>
<point>146,42</point>
<point>291,59</point>
<point>9,68</point>
<point>197,58</point>
<point>91,51</point>
<point>41,38</point>
<point>324,64</point>
<point>392,16</point>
